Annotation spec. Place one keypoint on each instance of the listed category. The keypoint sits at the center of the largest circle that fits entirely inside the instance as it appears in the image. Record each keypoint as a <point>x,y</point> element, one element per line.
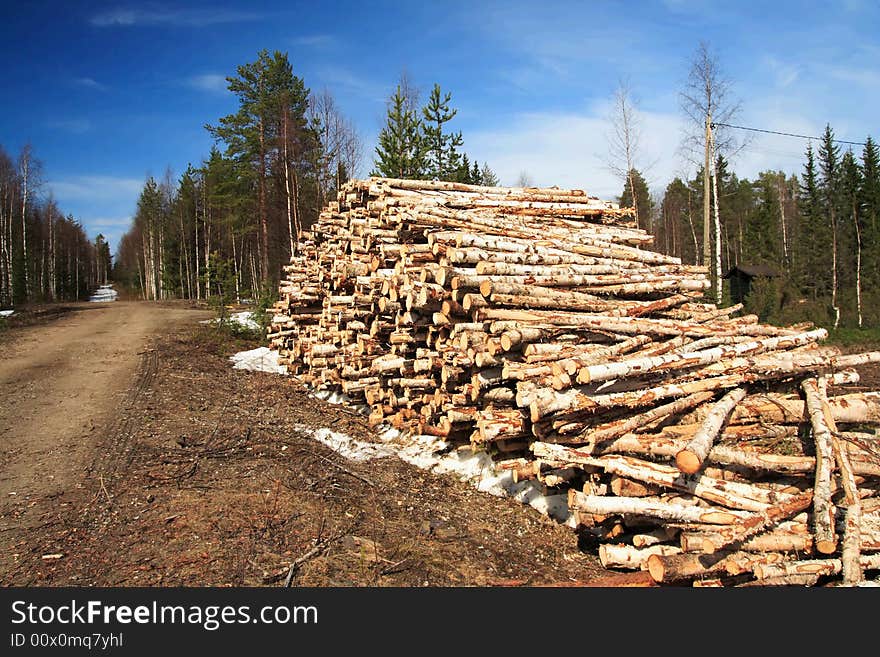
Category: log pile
<point>693,441</point>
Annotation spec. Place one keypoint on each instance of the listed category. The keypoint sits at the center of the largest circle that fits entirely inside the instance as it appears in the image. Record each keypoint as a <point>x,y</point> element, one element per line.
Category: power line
<point>788,134</point>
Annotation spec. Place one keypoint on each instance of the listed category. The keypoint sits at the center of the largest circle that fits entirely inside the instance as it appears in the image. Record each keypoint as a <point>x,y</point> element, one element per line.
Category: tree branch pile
<point>537,324</point>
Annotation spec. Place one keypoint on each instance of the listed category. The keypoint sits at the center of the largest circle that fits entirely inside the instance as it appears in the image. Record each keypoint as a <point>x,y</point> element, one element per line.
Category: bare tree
<point>524,179</point>
<point>410,92</point>
<point>709,108</point>
<point>340,152</point>
<point>29,170</point>
<point>623,138</point>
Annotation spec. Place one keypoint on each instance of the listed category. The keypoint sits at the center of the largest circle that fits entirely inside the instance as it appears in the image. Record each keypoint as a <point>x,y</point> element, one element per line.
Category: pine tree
<point>443,158</point>
<point>400,152</point>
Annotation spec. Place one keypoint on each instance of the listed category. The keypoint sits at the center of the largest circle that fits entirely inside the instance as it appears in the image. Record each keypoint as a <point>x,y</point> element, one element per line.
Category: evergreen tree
<point>642,201</point>
<point>400,152</point>
<point>476,175</point>
<point>268,132</point>
<point>676,233</point>
<point>829,166</point>
<point>814,268</point>
<point>443,158</point>
<point>870,203</point>
<point>850,240</point>
<point>761,232</point>
<point>463,174</point>
<point>487,176</point>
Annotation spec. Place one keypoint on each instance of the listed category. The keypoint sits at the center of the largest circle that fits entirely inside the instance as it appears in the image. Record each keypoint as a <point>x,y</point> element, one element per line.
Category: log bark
<point>823,508</point>
<point>653,508</point>
<point>744,529</point>
<point>691,458</point>
<point>632,558</point>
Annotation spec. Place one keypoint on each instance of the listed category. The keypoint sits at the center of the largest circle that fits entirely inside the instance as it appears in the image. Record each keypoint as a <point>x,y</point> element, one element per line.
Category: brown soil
<point>138,455</point>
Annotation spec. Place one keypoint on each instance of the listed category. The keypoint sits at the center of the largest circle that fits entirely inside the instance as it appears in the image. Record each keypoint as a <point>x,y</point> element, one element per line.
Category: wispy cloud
<point>75,126</point>
<point>314,41</point>
<point>96,188</point>
<point>567,149</point>
<point>212,82</point>
<point>340,78</point>
<point>128,16</point>
<point>88,83</point>
<point>784,74</point>
<point>105,222</point>
<point>866,77</point>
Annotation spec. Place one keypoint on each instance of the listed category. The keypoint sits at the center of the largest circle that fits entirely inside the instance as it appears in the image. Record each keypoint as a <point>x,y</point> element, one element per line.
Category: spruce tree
<point>487,176</point>
<point>761,231</point>
<point>829,166</point>
<point>850,244</point>
<point>870,203</point>
<point>642,201</point>
<point>814,270</point>
<point>443,158</point>
<point>476,176</point>
<point>400,152</point>
<point>463,174</point>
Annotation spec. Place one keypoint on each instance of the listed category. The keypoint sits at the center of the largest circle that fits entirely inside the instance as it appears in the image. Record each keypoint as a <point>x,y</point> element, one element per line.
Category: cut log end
<point>687,462</point>
<point>826,546</point>
<point>656,567</point>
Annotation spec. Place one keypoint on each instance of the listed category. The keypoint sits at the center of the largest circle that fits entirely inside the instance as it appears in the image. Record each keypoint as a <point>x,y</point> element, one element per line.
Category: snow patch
<point>261,359</point>
<point>345,445</point>
<point>6,313</point>
<point>244,319</point>
<point>104,293</point>
<point>432,454</point>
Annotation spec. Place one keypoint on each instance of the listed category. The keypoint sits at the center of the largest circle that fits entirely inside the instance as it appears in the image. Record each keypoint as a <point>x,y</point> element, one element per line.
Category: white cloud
<point>569,150</point>
<point>89,83</point>
<point>865,77</point>
<point>110,222</point>
<point>125,16</point>
<point>339,78</point>
<point>212,82</point>
<point>314,40</point>
<point>784,73</point>
<point>74,126</point>
<point>96,188</point>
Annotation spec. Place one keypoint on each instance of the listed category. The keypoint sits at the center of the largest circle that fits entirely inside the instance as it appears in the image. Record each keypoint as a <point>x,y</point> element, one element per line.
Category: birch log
<point>823,508</point>
<point>691,458</point>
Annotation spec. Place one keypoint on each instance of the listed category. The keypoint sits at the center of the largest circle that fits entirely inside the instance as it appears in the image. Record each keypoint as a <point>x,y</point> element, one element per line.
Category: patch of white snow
<point>261,359</point>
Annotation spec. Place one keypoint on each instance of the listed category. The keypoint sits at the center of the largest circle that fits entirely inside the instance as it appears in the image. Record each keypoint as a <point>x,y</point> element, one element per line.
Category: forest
<point>45,255</point>
<point>228,225</point>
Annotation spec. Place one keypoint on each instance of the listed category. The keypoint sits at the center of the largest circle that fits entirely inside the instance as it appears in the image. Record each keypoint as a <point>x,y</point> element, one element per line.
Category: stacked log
<point>693,441</point>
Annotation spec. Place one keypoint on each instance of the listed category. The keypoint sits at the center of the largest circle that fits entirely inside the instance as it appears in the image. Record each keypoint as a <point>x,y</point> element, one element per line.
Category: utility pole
<point>707,234</point>
<point>716,261</point>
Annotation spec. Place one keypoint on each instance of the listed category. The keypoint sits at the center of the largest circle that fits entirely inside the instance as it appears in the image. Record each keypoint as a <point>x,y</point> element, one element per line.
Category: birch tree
<point>708,106</point>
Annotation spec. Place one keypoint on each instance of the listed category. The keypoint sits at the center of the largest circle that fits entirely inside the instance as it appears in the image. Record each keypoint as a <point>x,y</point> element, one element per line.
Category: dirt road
<point>59,383</point>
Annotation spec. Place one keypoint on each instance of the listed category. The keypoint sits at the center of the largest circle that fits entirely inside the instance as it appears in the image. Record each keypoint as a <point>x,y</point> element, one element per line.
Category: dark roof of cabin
<point>752,271</point>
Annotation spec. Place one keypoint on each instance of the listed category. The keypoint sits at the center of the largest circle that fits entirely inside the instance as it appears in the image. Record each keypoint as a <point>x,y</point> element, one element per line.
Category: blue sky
<point>108,92</point>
